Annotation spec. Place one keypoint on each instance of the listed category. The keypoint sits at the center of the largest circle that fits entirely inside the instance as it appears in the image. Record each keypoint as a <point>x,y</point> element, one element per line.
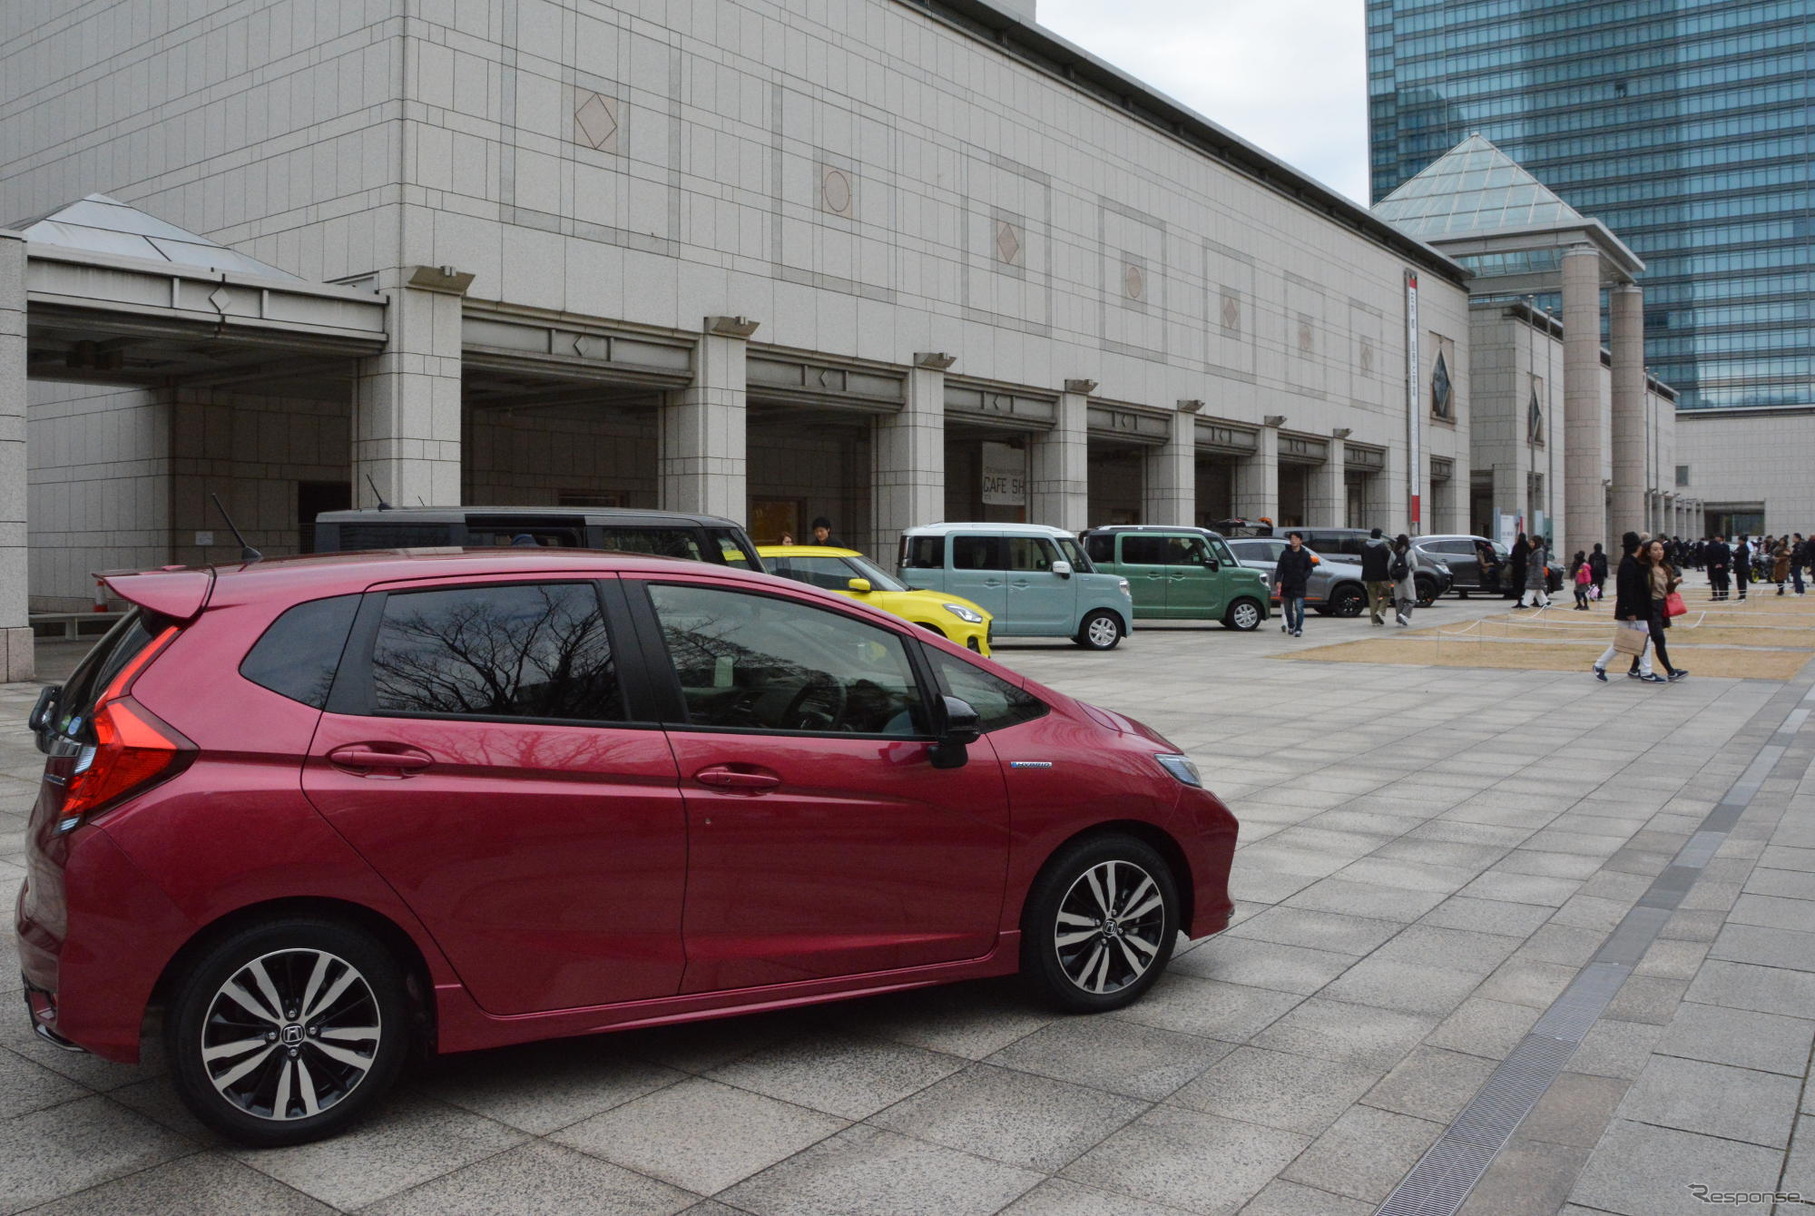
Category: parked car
<point>1460,554</point>
<point>321,812</point>
<point>1034,580</point>
<point>705,538</point>
<point>1335,588</point>
<point>1431,576</point>
<point>1179,573</point>
<point>849,573</point>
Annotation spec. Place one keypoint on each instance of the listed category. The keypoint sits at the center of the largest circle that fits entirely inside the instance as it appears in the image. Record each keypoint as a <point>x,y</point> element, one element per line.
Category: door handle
<point>739,780</point>
<point>365,760</point>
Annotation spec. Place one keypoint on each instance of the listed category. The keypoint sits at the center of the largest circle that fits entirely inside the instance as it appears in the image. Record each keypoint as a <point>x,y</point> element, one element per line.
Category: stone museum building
<point>771,259</point>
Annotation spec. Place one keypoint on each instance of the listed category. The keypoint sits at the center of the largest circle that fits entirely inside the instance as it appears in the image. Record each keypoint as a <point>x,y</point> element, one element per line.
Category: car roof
<point>806,551</point>
<point>448,515</point>
<point>316,576</point>
<point>1174,529</point>
<point>989,528</point>
<point>1449,536</point>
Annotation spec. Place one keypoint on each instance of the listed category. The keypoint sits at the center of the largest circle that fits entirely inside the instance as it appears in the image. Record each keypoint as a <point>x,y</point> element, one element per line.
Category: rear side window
<point>299,654</point>
<point>535,650</point>
<point>1145,550</point>
<point>979,553</point>
<point>922,552</point>
<point>663,542</point>
<point>997,702</point>
<point>128,638</point>
<point>1100,548</point>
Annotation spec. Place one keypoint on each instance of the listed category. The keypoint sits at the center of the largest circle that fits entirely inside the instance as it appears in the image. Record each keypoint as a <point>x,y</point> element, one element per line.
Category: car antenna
<point>382,504</point>
<point>246,552</point>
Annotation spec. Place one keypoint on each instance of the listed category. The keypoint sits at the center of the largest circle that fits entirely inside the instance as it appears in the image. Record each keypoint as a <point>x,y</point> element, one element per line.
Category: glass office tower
<point>1685,127</point>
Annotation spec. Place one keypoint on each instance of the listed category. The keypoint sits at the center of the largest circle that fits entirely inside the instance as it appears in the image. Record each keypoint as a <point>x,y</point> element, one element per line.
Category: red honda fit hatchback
<point>320,811</point>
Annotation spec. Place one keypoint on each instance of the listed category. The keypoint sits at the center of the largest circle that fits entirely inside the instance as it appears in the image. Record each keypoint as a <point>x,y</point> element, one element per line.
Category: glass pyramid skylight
<point>1474,188</point>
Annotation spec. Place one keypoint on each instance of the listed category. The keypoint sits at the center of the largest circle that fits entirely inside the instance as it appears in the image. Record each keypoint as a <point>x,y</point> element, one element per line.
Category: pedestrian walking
<point>1780,563</point>
<point>1799,557</point>
<point>1631,614</point>
<point>1597,562</point>
<point>1661,580</point>
<point>1405,587</point>
<point>1537,574</point>
<point>1720,563</point>
<point>1291,573</point>
<point>1582,575</point>
<point>1376,558</point>
<point>822,533</point>
<point>1515,562</point>
<point>1742,565</point>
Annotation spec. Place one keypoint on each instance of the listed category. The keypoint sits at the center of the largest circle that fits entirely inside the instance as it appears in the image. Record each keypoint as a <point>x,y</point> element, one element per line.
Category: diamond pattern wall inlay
<point>595,121</point>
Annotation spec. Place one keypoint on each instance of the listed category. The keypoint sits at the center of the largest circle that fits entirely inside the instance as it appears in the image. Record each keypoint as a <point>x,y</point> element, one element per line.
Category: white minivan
<point>1035,580</point>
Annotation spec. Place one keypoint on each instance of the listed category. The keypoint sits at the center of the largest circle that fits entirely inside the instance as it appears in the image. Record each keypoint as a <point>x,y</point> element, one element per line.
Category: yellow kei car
<point>851,574</point>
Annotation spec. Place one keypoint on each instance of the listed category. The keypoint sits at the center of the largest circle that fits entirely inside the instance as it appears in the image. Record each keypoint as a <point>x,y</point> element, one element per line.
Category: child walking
<point>1584,579</point>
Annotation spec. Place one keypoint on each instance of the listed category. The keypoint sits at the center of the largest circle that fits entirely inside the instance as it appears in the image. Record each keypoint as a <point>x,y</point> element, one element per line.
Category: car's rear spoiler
<point>178,592</point>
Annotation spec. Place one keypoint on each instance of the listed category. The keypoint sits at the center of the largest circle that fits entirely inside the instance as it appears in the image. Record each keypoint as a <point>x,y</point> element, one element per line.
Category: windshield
<point>880,580</point>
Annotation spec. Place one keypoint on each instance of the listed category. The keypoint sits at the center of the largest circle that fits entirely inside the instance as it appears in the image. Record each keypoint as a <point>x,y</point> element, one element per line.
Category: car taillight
<point>133,749</point>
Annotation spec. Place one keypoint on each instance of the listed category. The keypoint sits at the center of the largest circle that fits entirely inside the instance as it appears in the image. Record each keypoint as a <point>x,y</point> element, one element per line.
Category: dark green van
<point>1180,573</point>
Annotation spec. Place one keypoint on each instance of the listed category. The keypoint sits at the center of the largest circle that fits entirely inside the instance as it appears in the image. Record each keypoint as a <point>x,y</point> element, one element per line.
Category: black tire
<point>357,987</point>
<point>1244,615</point>
<point>1116,958</point>
<point>1348,600</point>
<point>1094,631</point>
<point>1427,590</point>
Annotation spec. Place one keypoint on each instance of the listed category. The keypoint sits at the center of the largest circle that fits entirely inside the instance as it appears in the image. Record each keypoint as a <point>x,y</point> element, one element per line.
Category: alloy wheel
<point>1109,928</point>
<point>291,1034</point>
<point>1103,632</point>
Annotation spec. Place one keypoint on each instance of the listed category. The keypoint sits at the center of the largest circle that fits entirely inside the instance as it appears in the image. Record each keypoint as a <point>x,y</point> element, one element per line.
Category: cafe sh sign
<point>1004,476</point>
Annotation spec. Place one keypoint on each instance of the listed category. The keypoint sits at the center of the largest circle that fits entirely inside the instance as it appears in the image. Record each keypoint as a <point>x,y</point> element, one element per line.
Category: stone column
<point>908,486</point>
<point>1058,474</point>
<point>1257,477</point>
<point>1584,522</point>
<point>1326,491</point>
<point>1169,489</point>
<point>16,659</point>
<point>1630,474</point>
<point>406,400</point>
<point>702,462</point>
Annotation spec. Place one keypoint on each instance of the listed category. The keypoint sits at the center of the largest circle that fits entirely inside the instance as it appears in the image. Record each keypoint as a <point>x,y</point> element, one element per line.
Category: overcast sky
<point>1287,75</point>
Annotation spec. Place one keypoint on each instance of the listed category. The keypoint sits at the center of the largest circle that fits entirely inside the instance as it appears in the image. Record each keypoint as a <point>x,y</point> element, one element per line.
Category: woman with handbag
<point>1631,607</point>
<point>1666,602</point>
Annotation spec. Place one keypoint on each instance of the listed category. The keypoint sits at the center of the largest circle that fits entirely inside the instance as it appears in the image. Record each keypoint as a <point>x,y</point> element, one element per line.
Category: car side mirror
<point>39,718</point>
<point>1062,569</point>
<point>1210,563</point>
<point>959,727</point>
<point>859,585</point>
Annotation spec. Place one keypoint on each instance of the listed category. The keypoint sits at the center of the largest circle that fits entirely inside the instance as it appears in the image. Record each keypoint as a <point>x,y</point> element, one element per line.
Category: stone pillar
<point>1058,475</point>
<point>1169,489</point>
<point>909,458</point>
<point>1584,522</point>
<point>1326,491</point>
<point>16,659</point>
<point>1630,479</point>
<point>1257,477</point>
<point>702,462</point>
<point>406,402</point>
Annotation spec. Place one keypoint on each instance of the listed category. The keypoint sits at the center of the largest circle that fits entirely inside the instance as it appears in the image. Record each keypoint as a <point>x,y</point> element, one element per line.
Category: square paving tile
<point>879,1173</point>
<point>538,1179</point>
<point>1365,1153</point>
<point>1197,1162</point>
<point>1575,1110</point>
<point>408,1140</point>
<point>1387,983</point>
<point>700,1135</point>
<point>1318,930</point>
<point>1764,1041</point>
<point>1260,964</point>
<point>1639,1170</point>
<point>1282,1198</point>
<point>543,1086</point>
<point>847,1075</point>
<point>1485,1027</point>
<point>1234,1013</point>
<point>1356,1034</point>
<point>199,1183</point>
<point>1487,916</point>
<point>1063,1197</point>
<point>1367,899</point>
<point>1276,1088</point>
<point>1715,1100</point>
<point>1748,986</point>
<point>1017,1118</point>
<point>1431,1083</point>
<point>1114,1055</point>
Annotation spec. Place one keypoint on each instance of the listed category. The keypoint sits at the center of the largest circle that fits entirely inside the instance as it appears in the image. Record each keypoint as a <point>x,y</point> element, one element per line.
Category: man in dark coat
<point>1376,557</point>
<point>1291,574</point>
<point>1720,561</point>
<point>1597,566</point>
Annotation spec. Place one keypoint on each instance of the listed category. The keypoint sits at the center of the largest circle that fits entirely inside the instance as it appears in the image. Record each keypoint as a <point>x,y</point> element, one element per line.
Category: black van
<point>705,538</point>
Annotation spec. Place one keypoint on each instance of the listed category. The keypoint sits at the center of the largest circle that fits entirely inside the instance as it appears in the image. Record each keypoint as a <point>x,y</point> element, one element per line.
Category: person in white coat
<point>1405,587</point>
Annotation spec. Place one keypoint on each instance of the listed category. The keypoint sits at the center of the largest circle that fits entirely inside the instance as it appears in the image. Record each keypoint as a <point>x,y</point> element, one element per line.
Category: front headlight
<point>1180,767</point>
<point>1123,583</point>
<point>964,614</point>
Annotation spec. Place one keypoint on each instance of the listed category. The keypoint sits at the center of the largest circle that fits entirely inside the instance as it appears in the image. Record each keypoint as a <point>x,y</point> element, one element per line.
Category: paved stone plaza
<point>1430,857</point>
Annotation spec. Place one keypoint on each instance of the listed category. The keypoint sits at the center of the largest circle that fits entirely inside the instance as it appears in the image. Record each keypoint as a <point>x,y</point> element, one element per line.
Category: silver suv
<point>1334,589</point>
